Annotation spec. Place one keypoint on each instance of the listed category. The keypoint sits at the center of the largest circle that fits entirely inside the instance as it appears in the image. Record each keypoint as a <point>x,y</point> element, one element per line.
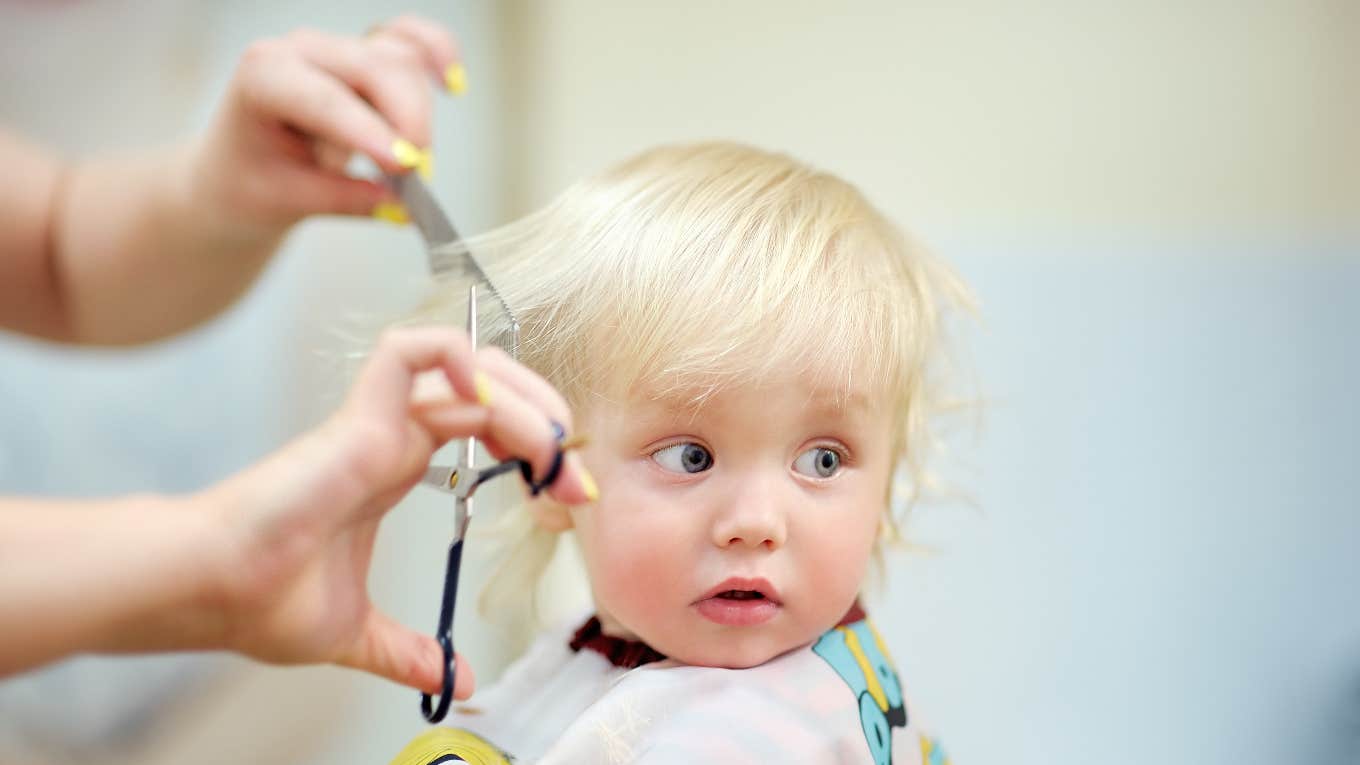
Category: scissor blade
<point>462,513</point>
<point>470,451</point>
<point>439,477</point>
<point>424,209</point>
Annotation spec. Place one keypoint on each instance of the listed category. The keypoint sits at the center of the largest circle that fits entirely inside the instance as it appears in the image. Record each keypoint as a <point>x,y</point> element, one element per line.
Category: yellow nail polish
<point>455,79</point>
<point>406,153</point>
<point>392,212</point>
<point>426,166</point>
<point>578,441</point>
<point>588,483</point>
<point>483,384</point>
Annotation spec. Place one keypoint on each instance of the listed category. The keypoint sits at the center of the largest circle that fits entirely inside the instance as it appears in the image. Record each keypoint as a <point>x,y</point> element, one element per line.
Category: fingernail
<point>588,483</point>
<point>392,212</point>
<point>406,153</point>
<point>455,79</point>
<point>483,384</point>
<point>426,166</point>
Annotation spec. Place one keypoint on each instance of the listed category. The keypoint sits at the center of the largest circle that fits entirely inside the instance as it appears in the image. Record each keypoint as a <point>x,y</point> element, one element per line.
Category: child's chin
<point>732,655</point>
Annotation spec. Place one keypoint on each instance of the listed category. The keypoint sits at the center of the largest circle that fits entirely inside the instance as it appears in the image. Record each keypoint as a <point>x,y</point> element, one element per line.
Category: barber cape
<point>591,698</point>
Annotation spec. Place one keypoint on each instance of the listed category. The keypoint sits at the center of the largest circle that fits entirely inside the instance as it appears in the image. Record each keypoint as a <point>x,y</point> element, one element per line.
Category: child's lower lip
<point>737,613</point>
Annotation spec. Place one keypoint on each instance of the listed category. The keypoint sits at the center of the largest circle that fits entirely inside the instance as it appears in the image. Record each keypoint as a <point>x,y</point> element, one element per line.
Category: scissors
<point>447,254</point>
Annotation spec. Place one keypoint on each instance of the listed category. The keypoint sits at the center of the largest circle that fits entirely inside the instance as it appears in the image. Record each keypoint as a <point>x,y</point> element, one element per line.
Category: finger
<point>519,426</point>
<point>307,190</point>
<point>449,419</point>
<point>275,81</point>
<point>465,680</point>
<point>389,649</point>
<point>574,484</point>
<point>509,435</point>
<point>386,381</point>
<point>437,45</point>
<point>504,420</point>
<point>331,157</point>
<point>508,422</point>
<point>390,77</point>
<point>497,363</point>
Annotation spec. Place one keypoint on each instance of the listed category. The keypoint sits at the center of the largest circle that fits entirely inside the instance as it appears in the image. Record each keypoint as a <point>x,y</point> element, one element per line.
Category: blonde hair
<point>688,268</point>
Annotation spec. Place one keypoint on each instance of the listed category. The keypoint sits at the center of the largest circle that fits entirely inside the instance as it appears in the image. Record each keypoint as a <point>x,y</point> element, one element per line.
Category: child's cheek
<point>838,549</point>
<point>643,560</point>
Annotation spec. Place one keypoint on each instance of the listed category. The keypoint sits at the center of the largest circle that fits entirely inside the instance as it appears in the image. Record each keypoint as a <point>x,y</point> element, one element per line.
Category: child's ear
<point>550,514</point>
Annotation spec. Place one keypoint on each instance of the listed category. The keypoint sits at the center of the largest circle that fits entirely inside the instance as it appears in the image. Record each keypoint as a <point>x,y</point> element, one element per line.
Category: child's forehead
<point>813,398</point>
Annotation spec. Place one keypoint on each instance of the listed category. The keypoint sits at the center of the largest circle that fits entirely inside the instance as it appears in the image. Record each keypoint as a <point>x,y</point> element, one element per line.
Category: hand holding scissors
<point>446,254</point>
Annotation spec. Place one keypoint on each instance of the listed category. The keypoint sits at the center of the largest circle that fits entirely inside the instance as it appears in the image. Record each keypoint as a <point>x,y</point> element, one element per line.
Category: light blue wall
<point>1164,564</point>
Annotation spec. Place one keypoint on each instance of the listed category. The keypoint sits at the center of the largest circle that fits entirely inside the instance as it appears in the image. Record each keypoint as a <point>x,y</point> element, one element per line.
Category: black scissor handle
<point>435,713</point>
<point>554,470</point>
<point>432,712</point>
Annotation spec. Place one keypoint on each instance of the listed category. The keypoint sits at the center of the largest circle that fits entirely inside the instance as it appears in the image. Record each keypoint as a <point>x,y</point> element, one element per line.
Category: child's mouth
<point>749,603</point>
<point>741,595</point>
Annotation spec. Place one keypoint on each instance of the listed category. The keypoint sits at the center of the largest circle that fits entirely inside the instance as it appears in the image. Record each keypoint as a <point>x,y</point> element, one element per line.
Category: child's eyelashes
<point>686,457</point>
<point>818,462</point>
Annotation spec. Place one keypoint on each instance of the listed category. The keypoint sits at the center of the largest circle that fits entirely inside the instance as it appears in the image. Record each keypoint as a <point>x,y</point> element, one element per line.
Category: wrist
<point>180,606</point>
<point>216,206</point>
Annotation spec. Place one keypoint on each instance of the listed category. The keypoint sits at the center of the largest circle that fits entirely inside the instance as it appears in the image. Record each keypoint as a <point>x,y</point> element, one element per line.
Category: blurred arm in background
<point>122,250</point>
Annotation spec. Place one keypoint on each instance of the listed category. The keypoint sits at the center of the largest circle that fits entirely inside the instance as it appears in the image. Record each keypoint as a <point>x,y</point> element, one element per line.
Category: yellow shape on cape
<point>929,749</point>
<point>439,742</point>
<point>870,676</point>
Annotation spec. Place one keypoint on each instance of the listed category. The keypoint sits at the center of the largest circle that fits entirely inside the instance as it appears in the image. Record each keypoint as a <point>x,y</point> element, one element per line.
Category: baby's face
<point>727,537</point>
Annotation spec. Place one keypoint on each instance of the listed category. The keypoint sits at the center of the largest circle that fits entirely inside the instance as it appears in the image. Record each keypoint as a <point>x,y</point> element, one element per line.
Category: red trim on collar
<point>629,654</point>
<point>621,652</point>
<point>855,614</point>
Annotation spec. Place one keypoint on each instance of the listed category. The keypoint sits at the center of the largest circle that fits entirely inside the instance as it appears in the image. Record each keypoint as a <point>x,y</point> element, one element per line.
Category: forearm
<point>29,295</point>
<point>128,575</point>
<point>141,249</point>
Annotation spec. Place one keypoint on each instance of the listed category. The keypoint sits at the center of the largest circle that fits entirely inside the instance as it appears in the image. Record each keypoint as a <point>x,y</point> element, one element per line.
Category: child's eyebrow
<point>823,401</point>
<point>664,408</point>
<point>838,401</point>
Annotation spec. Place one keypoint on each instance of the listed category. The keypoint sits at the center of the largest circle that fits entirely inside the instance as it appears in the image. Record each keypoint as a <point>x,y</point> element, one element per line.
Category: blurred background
<point>1157,203</point>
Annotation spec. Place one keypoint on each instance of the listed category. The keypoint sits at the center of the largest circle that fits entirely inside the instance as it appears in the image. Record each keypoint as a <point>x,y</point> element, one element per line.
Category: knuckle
<point>322,102</point>
<point>565,418</point>
<point>393,337</point>
<point>453,337</point>
<point>395,54</point>
<point>493,356</point>
<point>558,410</point>
<point>261,53</point>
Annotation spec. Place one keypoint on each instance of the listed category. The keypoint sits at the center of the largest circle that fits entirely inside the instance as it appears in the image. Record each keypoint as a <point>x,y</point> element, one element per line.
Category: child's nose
<point>752,518</point>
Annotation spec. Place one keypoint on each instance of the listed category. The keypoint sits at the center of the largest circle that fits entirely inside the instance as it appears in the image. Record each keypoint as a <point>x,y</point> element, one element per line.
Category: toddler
<point>750,347</point>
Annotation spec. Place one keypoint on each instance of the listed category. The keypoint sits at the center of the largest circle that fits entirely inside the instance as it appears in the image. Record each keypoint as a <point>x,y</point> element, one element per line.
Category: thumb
<point>392,650</point>
<point>311,191</point>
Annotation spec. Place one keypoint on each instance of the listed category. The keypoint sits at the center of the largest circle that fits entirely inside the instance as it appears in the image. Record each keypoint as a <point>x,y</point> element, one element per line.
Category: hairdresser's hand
<point>153,243</point>
<point>299,106</point>
<point>300,527</point>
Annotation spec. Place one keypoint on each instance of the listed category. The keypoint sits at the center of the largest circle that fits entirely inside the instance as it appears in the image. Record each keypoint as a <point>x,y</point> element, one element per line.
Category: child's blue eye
<point>684,458</point>
<point>818,462</point>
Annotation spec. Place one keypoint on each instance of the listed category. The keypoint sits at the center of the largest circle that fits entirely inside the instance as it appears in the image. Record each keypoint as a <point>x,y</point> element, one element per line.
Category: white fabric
<point>554,705</point>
